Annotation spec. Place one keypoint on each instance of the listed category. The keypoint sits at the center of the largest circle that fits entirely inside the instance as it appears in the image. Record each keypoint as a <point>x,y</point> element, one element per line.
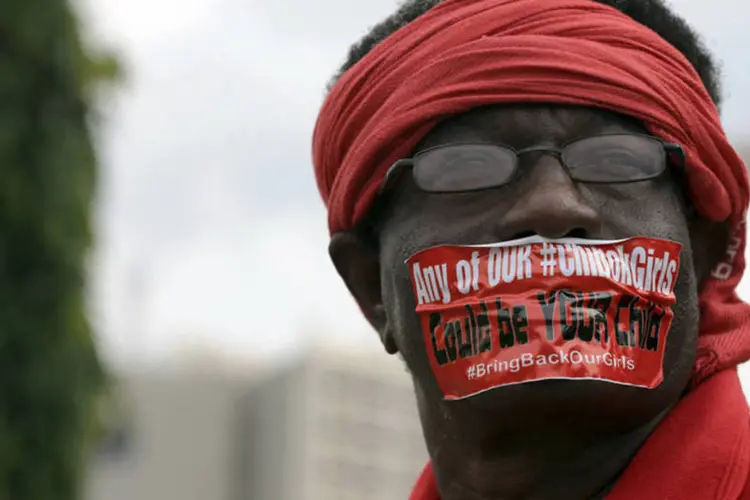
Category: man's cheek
<point>681,350</point>
<point>400,304</point>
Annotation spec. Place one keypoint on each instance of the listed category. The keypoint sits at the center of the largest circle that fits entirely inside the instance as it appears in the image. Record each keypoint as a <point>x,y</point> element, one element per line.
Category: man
<point>510,185</point>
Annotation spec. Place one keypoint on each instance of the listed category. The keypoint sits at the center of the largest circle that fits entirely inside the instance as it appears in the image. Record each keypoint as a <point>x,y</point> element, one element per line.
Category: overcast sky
<point>211,231</point>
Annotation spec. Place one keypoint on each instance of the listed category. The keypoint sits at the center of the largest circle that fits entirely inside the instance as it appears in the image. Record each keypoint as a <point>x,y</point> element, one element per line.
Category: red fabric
<point>697,453</point>
<point>468,53</point>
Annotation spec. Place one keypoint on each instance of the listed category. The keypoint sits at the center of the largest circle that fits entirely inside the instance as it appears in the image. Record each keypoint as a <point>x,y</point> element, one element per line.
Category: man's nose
<point>550,204</point>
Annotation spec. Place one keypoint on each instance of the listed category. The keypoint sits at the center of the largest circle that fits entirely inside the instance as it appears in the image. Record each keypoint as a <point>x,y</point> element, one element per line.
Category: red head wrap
<point>467,53</point>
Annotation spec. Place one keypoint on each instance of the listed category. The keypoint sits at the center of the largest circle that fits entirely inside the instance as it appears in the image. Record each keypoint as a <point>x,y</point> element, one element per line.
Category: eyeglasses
<point>601,159</point>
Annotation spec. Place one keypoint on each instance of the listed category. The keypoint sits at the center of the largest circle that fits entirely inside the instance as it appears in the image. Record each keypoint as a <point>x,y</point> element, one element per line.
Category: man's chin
<point>590,404</point>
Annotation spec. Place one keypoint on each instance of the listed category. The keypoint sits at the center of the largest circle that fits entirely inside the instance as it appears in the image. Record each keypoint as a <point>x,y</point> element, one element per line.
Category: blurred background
<point>243,368</point>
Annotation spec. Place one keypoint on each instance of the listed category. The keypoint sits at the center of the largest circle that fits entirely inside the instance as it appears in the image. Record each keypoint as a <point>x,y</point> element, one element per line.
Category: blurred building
<point>347,426</point>
<point>174,439</point>
<point>335,425</point>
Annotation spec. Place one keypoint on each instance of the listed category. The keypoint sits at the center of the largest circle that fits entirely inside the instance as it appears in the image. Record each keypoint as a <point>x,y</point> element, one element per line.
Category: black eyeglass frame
<point>673,153</point>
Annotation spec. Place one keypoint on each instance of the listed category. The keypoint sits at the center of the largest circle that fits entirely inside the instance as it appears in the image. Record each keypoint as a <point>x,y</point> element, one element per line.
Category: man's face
<point>542,200</point>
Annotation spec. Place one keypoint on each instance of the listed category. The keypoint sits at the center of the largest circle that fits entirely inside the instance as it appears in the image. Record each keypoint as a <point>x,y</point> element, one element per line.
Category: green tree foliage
<point>50,376</point>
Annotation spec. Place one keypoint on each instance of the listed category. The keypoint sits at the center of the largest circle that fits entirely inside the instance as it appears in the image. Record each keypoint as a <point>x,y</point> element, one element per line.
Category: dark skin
<point>548,439</point>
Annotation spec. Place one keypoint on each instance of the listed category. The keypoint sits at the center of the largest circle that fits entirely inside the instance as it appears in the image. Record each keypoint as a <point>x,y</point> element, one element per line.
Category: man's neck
<point>573,465</point>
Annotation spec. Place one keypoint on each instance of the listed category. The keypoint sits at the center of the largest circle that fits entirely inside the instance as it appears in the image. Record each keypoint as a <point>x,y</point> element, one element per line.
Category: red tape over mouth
<point>536,309</point>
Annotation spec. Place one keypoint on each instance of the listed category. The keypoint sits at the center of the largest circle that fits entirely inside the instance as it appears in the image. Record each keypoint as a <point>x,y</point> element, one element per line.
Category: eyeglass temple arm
<point>675,153</point>
<point>395,171</point>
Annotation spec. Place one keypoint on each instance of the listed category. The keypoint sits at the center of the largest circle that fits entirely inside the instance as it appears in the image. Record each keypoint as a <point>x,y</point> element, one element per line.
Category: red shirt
<point>701,451</point>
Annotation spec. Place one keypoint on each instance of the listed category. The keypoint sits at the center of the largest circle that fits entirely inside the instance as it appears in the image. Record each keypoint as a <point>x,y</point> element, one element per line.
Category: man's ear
<point>709,241</point>
<point>359,265</point>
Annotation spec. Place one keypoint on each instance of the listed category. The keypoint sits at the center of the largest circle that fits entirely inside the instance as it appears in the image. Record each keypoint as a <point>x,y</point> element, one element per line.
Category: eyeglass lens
<point>599,159</point>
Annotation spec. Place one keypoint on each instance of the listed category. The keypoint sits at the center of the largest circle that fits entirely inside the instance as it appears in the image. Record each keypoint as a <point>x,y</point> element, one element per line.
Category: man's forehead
<point>522,125</point>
